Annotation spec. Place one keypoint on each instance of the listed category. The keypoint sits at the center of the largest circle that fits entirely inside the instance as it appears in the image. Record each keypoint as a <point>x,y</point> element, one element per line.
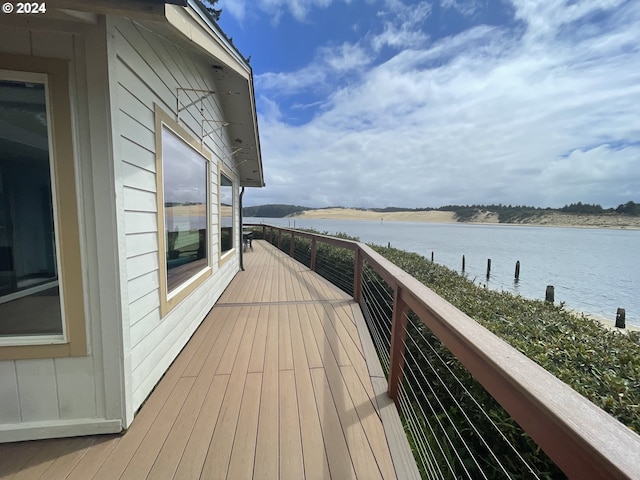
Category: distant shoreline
<point>552,219</point>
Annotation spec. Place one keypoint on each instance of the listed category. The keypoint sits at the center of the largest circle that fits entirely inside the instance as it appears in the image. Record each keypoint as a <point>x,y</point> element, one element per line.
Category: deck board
<point>276,383</point>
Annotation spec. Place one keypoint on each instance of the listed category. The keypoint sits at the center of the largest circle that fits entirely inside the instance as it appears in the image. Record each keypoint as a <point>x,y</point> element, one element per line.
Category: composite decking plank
<point>359,448</point>
<point>275,286</point>
<point>195,453</point>
<point>216,464</point>
<point>314,455</point>
<point>214,325</point>
<point>244,445</point>
<point>256,361</point>
<point>91,462</point>
<point>267,445</point>
<point>326,336</point>
<point>239,317</point>
<point>340,465</point>
<point>171,452</point>
<point>282,386</point>
<point>64,464</point>
<point>334,314</point>
<point>262,270</point>
<point>403,461</point>
<point>217,460</point>
<point>370,366</point>
<point>301,292</point>
<point>16,456</point>
<point>142,461</point>
<point>282,285</point>
<point>42,460</point>
<point>285,359</point>
<point>353,348</point>
<point>370,421</point>
<point>120,456</point>
<point>291,461</point>
<point>349,323</point>
<point>314,359</point>
<point>362,457</point>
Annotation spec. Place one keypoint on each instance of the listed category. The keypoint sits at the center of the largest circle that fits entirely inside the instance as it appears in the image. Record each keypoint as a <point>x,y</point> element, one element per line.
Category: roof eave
<point>234,79</point>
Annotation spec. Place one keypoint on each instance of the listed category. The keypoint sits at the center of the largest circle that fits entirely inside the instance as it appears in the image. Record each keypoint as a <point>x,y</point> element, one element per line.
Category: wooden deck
<point>274,384</point>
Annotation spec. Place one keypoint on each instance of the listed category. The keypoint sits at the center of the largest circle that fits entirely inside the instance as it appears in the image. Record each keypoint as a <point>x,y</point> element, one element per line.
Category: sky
<point>377,103</point>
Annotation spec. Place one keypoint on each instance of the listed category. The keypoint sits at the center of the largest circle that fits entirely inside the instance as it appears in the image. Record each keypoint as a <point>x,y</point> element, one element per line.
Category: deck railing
<point>449,376</point>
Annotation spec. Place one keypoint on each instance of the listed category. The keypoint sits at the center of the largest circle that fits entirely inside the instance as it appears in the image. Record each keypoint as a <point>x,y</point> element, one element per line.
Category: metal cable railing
<point>336,266</point>
<point>456,385</point>
<point>464,441</point>
<point>437,407</point>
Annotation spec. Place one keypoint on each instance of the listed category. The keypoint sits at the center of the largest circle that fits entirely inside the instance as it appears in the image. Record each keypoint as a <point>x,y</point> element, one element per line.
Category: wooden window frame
<point>169,300</point>
<point>224,257</point>
<point>63,170</point>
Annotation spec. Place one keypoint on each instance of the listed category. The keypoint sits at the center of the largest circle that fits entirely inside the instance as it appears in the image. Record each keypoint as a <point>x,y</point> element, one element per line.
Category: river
<point>594,271</point>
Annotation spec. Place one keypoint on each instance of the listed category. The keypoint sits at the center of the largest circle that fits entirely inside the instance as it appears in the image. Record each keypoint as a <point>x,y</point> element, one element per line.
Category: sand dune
<point>553,219</point>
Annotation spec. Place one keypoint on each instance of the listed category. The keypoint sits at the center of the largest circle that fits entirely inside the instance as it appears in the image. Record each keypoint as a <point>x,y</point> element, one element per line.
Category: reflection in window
<point>226,213</point>
<point>184,173</point>
<point>29,292</point>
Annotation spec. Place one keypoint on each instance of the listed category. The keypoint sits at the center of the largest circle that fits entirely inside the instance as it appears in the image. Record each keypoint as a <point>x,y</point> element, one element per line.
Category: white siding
<point>46,395</point>
<point>149,70</point>
<point>119,70</point>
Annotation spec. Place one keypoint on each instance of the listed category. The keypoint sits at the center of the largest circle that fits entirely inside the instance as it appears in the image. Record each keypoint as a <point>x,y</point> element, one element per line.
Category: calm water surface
<point>592,270</point>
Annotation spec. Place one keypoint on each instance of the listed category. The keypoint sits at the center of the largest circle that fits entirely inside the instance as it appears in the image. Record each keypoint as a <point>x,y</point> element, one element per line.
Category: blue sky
<point>375,103</point>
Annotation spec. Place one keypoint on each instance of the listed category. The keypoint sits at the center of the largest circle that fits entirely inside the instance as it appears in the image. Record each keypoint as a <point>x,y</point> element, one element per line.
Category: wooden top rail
<point>582,439</point>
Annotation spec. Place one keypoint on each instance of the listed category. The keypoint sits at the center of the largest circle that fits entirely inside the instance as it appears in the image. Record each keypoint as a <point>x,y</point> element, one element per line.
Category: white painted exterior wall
<point>148,71</point>
<point>119,70</point>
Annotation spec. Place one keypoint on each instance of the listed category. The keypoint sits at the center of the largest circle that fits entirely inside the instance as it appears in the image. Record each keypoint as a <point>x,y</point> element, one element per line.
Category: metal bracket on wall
<point>203,95</point>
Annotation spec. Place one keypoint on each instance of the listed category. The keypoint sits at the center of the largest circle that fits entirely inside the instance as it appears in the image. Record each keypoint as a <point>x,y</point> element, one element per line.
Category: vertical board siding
<point>9,398</point>
<point>76,393</point>
<point>149,71</point>
<point>37,390</point>
<point>46,390</point>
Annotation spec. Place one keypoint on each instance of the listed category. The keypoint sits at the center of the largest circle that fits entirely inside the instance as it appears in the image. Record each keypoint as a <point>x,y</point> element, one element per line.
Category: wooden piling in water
<point>488,267</point>
<point>517,269</point>
<point>463,265</point>
<point>549,295</point>
<point>620,318</point>
<point>432,256</point>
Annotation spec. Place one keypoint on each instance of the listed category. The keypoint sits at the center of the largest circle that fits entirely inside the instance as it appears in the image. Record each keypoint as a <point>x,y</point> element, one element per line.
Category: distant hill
<point>272,211</point>
<point>526,214</point>
<point>471,213</point>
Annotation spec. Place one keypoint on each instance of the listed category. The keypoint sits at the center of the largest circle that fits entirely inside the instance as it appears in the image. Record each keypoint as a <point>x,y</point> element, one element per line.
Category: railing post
<point>264,232</point>
<point>357,275</point>
<point>313,254</point>
<point>271,235</point>
<point>292,245</point>
<point>279,237</point>
<point>398,336</point>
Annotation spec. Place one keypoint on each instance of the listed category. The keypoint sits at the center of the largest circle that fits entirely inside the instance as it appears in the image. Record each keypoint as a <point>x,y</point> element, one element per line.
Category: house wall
<point>148,69</point>
<point>119,71</point>
<point>44,397</point>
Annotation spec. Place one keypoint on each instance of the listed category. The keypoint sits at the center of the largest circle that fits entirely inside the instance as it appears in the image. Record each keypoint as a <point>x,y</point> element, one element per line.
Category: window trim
<point>66,210</point>
<point>168,301</point>
<point>229,254</point>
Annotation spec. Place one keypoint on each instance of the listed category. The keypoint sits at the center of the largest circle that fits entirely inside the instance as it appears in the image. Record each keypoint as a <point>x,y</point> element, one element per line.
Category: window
<point>226,213</point>
<point>29,293</point>
<point>41,299</point>
<point>184,232</point>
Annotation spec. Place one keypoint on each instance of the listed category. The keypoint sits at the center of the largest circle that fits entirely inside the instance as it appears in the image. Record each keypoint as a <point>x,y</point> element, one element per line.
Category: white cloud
<point>544,117</point>
<point>464,7</point>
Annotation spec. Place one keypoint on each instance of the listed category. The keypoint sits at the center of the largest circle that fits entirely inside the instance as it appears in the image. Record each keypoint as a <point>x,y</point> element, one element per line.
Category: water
<point>594,271</point>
